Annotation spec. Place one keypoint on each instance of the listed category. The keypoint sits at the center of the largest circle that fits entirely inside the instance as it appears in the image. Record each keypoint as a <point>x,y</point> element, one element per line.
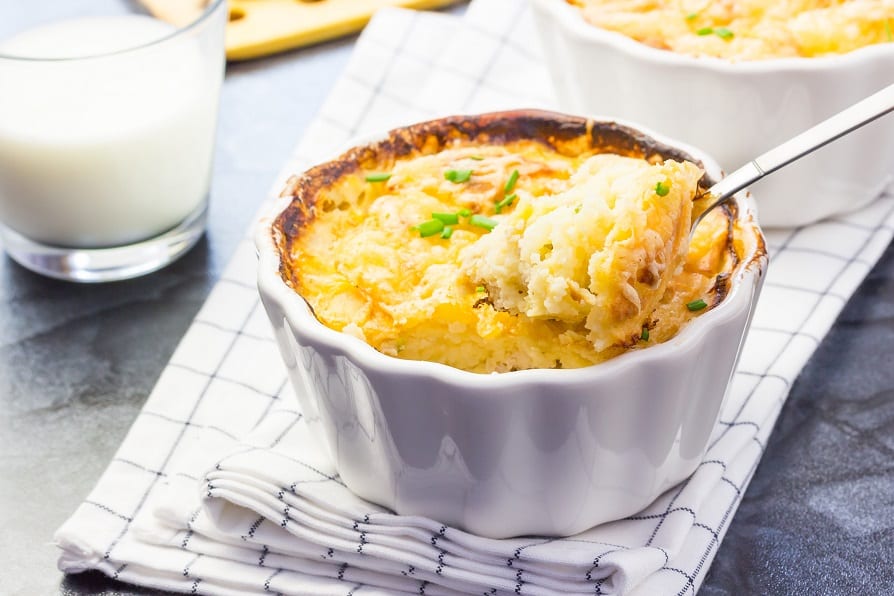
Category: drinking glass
<point>107,126</point>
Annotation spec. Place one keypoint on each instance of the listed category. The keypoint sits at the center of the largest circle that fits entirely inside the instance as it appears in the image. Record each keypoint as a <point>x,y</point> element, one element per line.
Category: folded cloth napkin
<point>219,488</point>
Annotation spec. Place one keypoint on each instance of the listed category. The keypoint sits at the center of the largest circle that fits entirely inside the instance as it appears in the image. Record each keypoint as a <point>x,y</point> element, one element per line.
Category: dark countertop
<point>818,516</point>
<point>77,363</point>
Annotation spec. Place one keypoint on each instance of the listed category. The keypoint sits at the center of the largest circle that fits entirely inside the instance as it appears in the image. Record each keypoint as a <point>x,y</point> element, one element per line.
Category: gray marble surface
<point>77,362</point>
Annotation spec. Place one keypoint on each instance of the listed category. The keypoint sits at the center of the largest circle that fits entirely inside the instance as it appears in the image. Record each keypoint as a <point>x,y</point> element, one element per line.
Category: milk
<point>106,150</point>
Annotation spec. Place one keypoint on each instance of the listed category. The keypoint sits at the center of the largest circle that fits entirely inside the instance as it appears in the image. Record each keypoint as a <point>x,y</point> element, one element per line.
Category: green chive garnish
<point>476,157</point>
<point>645,334</point>
<point>506,202</point>
<point>481,289</point>
<point>483,222</point>
<point>377,177</point>
<point>692,16</point>
<point>458,176</point>
<point>447,232</point>
<point>447,218</point>
<point>465,212</point>
<point>661,189</point>
<point>510,184</point>
<point>429,228</point>
<point>888,28</point>
<point>705,31</point>
<point>696,305</point>
<point>724,33</point>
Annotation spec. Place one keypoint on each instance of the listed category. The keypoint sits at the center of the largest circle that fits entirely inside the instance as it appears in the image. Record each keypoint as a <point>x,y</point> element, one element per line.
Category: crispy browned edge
<point>560,132</point>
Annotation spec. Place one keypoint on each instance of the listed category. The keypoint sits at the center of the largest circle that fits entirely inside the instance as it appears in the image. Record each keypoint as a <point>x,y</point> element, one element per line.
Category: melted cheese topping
<point>366,271</point>
<point>747,29</point>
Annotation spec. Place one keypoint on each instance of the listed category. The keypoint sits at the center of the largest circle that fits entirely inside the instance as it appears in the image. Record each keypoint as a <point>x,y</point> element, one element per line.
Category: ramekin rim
<point>574,24</point>
<point>297,311</point>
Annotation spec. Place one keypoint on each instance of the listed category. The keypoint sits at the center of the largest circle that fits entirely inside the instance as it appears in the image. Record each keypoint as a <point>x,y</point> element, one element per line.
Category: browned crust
<point>760,257</point>
<point>722,283</point>
<point>569,135</point>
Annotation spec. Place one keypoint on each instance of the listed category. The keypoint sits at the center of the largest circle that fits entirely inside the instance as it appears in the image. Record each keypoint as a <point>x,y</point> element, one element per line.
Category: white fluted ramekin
<point>546,452</point>
<point>733,110</point>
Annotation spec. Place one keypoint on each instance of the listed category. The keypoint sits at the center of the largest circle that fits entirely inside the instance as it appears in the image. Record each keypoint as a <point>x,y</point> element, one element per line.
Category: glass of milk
<point>107,125</point>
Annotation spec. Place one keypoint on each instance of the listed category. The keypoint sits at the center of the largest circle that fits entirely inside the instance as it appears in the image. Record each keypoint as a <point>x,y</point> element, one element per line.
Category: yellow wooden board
<point>261,27</point>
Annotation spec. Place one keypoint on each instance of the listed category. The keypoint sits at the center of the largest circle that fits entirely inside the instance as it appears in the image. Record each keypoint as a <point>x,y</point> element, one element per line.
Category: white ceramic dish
<point>734,111</point>
<point>547,452</point>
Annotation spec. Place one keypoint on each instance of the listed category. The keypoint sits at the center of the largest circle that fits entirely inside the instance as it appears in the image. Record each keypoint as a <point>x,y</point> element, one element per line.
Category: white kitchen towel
<point>219,489</point>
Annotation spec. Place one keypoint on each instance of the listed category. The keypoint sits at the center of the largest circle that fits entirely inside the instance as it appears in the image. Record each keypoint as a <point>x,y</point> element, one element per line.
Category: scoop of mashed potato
<point>600,254</point>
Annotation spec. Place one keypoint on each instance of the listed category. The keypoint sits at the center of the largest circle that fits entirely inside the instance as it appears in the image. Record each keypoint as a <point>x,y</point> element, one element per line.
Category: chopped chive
<point>483,222</point>
<point>724,33</point>
<point>888,28</point>
<point>481,289</point>
<point>510,184</point>
<point>447,218</point>
<point>661,189</point>
<point>464,212</point>
<point>506,202</point>
<point>476,157</point>
<point>377,177</point>
<point>429,228</point>
<point>458,176</point>
<point>696,305</point>
<point>577,209</point>
<point>645,334</point>
<point>447,232</point>
<point>692,16</point>
<point>705,31</point>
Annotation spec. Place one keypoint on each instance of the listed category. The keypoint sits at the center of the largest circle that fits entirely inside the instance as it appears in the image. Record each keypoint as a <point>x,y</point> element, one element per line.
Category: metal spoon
<point>842,123</point>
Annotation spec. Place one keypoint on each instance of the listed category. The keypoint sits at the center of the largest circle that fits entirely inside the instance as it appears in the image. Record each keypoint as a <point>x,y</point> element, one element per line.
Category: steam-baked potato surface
<point>747,29</point>
<point>505,243</point>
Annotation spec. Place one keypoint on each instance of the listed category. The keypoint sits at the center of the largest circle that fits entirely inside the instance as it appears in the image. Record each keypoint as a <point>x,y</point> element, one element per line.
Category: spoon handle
<point>845,121</point>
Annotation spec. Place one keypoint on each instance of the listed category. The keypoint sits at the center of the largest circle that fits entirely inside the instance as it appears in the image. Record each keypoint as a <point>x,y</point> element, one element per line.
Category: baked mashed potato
<point>747,29</point>
<point>599,254</point>
<point>499,247</point>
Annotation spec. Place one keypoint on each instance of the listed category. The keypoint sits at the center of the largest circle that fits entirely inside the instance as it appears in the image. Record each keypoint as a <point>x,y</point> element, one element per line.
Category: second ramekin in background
<point>733,110</point>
